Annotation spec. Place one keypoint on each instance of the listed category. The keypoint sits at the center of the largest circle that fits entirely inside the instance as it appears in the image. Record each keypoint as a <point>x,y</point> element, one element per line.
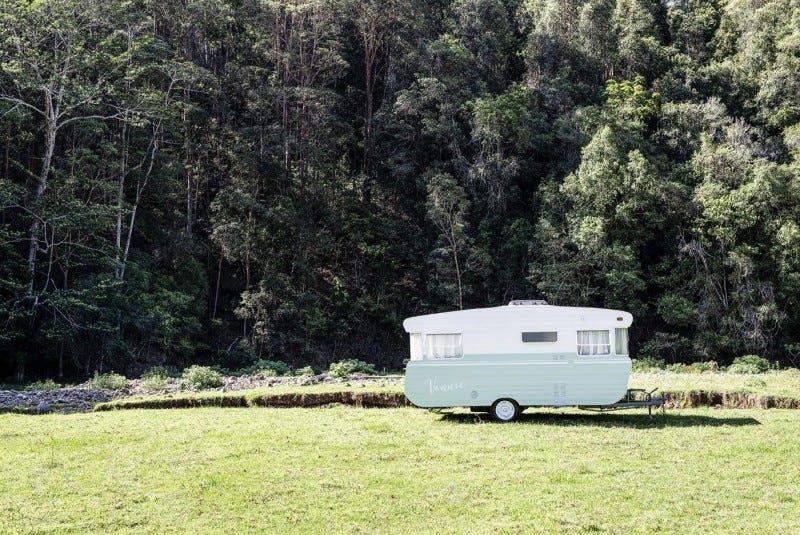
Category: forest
<point>222,181</point>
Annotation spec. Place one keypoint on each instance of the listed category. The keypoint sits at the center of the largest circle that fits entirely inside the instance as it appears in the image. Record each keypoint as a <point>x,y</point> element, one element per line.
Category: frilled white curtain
<point>416,346</point>
<point>621,341</point>
<point>593,343</point>
<point>444,346</point>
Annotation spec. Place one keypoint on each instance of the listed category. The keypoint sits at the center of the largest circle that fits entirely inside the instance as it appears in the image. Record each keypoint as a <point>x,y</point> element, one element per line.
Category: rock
<point>42,408</point>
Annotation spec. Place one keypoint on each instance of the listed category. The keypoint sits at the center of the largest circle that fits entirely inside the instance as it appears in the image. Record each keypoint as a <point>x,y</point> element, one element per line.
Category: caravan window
<point>416,346</point>
<point>593,343</point>
<point>621,341</point>
<point>540,337</point>
<point>445,346</point>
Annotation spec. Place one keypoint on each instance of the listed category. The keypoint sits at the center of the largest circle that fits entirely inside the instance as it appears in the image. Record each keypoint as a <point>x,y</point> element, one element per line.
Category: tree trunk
<point>51,128</point>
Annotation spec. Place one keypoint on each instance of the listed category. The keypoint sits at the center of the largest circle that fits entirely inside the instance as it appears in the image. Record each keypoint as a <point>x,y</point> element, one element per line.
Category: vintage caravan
<point>527,353</point>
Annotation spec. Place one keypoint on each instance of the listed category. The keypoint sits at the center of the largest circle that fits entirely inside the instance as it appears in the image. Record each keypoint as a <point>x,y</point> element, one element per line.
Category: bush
<point>199,377</point>
<point>109,381</point>
<point>749,364</point>
<point>268,368</point>
<point>47,384</point>
<point>647,364</point>
<point>305,371</point>
<point>347,367</point>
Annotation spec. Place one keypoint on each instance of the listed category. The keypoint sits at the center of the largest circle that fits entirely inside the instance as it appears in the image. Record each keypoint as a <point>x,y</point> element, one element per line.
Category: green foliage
<point>200,377</point>
<point>47,384</point>
<point>749,364</point>
<point>306,371</point>
<point>109,381</point>
<point>343,368</point>
<point>379,160</point>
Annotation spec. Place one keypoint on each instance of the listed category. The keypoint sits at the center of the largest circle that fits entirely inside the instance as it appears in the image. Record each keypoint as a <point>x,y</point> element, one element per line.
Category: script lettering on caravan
<point>435,387</point>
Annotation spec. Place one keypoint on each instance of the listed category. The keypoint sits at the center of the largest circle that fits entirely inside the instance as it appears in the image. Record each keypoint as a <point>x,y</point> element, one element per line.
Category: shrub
<point>109,381</point>
<point>647,364</point>
<point>749,364</point>
<point>307,370</point>
<point>267,367</point>
<point>347,367</point>
<point>199,377</point>
<point>47,384</point>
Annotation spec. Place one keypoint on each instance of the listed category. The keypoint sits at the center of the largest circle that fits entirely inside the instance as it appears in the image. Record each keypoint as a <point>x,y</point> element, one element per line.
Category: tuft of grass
<point>344,470</point>
<point>109,381</point>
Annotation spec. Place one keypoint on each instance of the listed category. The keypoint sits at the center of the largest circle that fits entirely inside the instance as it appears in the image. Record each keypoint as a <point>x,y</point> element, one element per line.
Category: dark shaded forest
<point>221,181</point>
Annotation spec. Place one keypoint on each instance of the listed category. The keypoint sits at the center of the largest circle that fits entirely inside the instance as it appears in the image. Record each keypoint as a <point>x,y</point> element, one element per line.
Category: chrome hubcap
<point>505,410</point>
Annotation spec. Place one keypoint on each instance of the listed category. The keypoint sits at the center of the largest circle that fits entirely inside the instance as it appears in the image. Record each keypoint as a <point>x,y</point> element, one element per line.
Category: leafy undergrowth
<point>346,470</point>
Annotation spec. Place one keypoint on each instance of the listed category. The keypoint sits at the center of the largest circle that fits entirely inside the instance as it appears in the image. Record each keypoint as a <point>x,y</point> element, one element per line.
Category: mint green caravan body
<point>527,353</point>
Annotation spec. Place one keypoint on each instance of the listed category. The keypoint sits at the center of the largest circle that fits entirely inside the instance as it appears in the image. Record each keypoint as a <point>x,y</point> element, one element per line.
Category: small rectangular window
<point>621,341</point>
<point>444,346</point>
<point>416,346</point>
<point>594,343</point>
<point>540,337</point>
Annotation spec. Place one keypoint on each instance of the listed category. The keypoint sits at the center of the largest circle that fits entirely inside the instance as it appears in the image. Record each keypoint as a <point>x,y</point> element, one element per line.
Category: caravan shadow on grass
<point>638,421</point>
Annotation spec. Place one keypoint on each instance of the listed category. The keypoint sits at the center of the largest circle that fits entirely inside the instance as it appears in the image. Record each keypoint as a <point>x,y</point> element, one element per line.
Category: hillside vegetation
<point>225,182</point>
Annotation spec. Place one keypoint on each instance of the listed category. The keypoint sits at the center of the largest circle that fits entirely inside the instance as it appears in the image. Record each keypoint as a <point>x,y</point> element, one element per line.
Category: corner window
<point>621,341</point>
<point>444,346</point>
<point>534,337</point>
<point>416,346</point>
<point>593,343</point>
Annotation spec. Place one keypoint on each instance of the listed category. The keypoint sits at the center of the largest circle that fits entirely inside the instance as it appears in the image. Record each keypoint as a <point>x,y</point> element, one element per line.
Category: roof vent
<point>526,302</point>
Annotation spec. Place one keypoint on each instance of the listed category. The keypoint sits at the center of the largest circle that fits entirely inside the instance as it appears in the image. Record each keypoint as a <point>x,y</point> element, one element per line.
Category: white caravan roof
<point>539,316</point>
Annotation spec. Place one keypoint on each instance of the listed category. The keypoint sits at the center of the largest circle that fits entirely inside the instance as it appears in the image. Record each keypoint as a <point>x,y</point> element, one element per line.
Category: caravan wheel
<point>504,410</point>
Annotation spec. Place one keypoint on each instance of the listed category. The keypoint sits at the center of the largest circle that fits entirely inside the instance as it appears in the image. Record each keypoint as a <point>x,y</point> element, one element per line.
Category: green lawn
<point>342,469</point>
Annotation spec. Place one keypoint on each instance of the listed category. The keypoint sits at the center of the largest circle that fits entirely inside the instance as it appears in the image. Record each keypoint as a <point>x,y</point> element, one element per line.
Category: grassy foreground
<point>341,469</point>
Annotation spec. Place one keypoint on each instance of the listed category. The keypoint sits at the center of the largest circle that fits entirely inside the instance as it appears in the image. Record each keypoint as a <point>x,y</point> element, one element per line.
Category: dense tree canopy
<point>222,181</point>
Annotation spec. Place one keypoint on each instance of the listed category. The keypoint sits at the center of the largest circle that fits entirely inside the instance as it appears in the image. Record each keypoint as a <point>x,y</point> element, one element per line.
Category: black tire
<point>504,410</point>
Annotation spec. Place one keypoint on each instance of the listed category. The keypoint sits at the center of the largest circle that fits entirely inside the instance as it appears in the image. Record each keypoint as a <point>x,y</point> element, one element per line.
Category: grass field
<point>341,469</point>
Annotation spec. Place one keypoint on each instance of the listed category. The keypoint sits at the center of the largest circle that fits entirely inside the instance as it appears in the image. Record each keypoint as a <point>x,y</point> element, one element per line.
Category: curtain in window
<point>621,341</point>
<point>416,346</point>
<point>593,343</point>
<point>444,346</point>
